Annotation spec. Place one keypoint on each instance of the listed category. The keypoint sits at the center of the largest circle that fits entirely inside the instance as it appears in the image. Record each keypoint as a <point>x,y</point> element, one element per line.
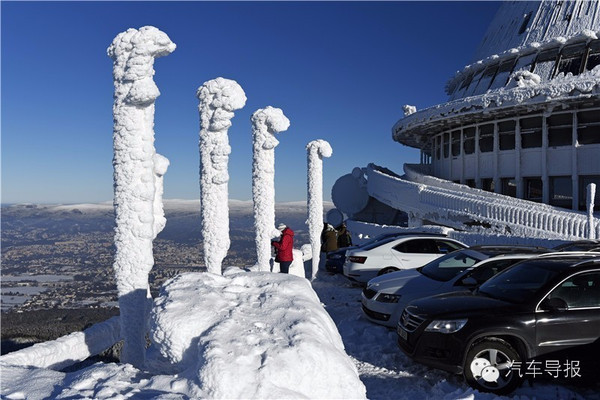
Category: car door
<point>413,253</point>
<point>559,328</point>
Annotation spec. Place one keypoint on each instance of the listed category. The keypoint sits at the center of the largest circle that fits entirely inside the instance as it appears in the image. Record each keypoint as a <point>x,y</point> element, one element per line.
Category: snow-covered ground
<point>290,350</point>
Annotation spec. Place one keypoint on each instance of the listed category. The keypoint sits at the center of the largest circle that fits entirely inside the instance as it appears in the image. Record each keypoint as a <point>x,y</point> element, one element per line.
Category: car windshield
<point>520,283</point>
<point>448,266</point>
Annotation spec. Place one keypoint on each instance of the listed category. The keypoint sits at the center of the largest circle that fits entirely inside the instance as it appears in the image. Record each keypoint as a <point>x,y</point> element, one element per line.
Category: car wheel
<point>488,366</point>
<point>387,270</point>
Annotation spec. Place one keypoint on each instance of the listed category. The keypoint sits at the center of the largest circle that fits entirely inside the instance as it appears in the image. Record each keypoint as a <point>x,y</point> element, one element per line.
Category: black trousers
<point>284,266</point>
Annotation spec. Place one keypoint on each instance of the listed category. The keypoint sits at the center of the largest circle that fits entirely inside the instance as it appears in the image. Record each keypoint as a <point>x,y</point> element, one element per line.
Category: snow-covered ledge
<point>67,350</point>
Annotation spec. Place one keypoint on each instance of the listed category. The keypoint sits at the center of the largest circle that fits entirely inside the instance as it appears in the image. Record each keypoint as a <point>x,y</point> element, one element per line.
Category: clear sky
<point>340,71</point>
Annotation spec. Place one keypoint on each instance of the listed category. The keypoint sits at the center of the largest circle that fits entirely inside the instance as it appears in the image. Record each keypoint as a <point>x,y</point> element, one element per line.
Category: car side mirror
<point>469,281</point>
<point>554,304</point>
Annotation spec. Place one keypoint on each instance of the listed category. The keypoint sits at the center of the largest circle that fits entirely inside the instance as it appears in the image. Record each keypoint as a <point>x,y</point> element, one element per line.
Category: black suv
<point>529,311</point>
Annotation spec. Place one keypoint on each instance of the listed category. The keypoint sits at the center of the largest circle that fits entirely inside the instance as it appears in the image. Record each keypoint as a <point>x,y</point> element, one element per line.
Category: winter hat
<point>281,227</point>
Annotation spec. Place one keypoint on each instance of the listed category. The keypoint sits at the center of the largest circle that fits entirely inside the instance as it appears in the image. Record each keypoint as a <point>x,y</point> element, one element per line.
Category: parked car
<point>531,310</point>
<point>385,297</point>
<point>396,253</point>
<point>579,245</point>
<point>335,260</point>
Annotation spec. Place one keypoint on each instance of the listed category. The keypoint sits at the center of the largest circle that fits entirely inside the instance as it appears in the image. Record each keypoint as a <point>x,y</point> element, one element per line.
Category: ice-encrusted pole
<point>316,150</point>
<point>591,195</point>
<point>266,122</point>
<point>219,98</point>
<point>138,172</point>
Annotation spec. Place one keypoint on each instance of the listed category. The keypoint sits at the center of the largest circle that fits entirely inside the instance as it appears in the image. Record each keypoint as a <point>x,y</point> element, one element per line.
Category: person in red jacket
<point>284,248</point>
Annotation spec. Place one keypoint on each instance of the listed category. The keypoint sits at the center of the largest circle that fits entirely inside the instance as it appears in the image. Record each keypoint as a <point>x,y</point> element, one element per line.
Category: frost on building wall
<point>138,172</point>
<point>266,122</point>
<point>316,151</point>
<point>219,98</point>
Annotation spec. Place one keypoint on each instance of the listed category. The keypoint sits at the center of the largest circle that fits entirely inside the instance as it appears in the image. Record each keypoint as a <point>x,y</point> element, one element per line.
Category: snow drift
<point>251,335</point>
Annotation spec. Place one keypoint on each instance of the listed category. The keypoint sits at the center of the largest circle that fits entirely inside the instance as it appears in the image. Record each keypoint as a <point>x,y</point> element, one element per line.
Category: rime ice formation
<point>69,349</point>
<point>266,122</point>
<point>316,151</point>
<point>138,172</point>
<point>408,109</point>
<point>591,195</point>
<point>219,98</point>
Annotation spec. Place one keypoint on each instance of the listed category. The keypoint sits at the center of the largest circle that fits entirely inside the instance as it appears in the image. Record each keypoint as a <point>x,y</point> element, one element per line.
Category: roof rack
<point>566,254</point>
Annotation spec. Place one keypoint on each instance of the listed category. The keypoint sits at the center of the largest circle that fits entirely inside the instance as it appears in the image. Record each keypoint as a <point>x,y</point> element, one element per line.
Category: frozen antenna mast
<point>219,98</point>
<point>138,172</point>
<point>316,151</point>
<point>266,122</point>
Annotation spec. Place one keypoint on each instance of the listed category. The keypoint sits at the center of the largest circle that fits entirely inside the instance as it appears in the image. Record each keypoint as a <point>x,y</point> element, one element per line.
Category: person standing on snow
<point>328,238</point>
<point>343,237</point>
<point>284,248</point>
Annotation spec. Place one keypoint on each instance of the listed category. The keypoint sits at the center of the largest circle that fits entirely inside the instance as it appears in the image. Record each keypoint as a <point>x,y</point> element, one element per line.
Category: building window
<point>455,143</point>
<point>470,183</point>
<point>506,132</point>
<point>593,58</point>
<point>509,187</point>
<point>570,59</point>
<point>584,181</point>
<point>446,144</point>
<point>487,184</point>
<point>469,140</point>
<point>526,19</point>
<point>486,138</point>
<point>531,132</point>
<point>487,78</point>
<point>544,63</point>
<point>436,142</point>
<point>588,127</point>
<point>560,130</point>
<point>504,71</point>
<point>533,189</point>
<point>561,191</point>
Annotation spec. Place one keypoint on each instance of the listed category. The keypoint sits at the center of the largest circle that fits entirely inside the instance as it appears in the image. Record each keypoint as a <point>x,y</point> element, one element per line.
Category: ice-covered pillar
<point>591,195</point>
<point>219,98</point>
<point>266,122</point>
<point>138,174</point>
<point>316,150</point>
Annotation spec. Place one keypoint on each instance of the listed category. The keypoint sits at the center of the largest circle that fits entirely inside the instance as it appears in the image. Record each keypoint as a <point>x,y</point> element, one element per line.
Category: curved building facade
<point>523,118</point>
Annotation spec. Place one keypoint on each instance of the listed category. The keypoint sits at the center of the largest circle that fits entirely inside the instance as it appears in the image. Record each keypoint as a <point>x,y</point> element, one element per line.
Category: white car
<point>396,253</point>
<point>385,297</point>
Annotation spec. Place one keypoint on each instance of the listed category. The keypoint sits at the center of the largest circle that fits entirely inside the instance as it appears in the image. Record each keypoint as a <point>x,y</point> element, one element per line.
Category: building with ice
<point>523,119</point>
<point>518,140</point>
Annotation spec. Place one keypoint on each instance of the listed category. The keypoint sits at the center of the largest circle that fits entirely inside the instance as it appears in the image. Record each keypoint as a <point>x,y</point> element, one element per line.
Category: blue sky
<point>340,71</point>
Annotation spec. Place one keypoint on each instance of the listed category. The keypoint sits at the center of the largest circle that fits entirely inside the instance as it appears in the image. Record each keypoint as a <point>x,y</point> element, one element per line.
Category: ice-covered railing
<point>461,207</point>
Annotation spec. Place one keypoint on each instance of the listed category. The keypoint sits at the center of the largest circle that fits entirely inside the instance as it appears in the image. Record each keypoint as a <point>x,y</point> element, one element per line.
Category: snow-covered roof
<point>521,24</point>
<point>414,129</point>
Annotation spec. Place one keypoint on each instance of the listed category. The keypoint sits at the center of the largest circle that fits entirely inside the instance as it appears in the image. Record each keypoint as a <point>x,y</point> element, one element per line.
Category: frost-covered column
<point>316,150</point>
<point>219,98</point>
<point>266,122</point>
<point>591,195</point>
<point>138,174</point>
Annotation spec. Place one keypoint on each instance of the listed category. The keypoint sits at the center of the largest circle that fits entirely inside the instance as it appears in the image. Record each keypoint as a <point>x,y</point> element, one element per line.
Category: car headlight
<point>446,325</point>
<point>388,298</point>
